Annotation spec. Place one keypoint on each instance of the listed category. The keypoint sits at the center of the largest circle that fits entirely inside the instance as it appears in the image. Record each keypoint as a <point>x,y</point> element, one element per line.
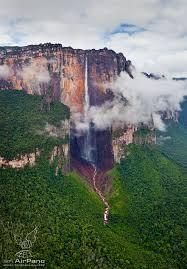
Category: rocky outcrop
<point>21,161</point>
<point>60,131</point>
<point>122,137</point>
<point>171,115</point>
<point>60,155</point>
<point>144,139</point>
<point>131,134</point>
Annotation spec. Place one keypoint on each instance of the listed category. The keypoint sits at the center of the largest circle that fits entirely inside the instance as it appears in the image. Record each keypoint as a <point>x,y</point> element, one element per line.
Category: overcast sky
<point>151,33</point>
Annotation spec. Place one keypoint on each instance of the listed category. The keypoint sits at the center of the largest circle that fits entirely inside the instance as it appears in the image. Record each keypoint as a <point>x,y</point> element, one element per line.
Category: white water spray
<point>87,98</point>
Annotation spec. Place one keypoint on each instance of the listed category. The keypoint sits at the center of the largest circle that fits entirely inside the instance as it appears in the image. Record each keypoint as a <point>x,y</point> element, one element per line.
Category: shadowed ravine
<point>100,194</point>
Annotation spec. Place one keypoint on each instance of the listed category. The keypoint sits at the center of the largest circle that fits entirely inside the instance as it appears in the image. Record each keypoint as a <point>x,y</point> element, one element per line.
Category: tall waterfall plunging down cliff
<point>88,147</point>
<point>72,81</point>
<point>87,98</point>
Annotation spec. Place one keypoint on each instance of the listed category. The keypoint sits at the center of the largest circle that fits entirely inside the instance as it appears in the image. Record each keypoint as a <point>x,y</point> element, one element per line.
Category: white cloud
<point>138,100</point>
<point>84,24</point>
<point>4,71</point>
<point>36,72</point>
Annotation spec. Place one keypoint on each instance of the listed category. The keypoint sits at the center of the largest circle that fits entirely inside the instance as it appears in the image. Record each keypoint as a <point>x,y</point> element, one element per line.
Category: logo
<point>26,244</point>
<point>24,256</point>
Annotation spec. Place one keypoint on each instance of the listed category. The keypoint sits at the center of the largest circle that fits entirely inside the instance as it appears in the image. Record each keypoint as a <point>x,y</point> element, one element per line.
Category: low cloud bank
<point>37,73</point>
<point>138,100</point>
<point>5,71</point>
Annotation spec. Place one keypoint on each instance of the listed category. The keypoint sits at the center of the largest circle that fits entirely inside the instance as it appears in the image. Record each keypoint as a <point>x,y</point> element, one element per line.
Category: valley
<point>146,220</point>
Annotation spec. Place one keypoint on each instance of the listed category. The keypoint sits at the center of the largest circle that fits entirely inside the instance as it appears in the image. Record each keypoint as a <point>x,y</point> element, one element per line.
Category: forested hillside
<point>149,200</point>
<point>173,143</point>
<point>22,123</point>
<point>147,218</point>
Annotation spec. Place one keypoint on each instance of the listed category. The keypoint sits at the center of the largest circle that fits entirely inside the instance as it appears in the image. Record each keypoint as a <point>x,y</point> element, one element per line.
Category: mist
<point>138,100</point>
<point>5,71</point>
<point>37,74</point>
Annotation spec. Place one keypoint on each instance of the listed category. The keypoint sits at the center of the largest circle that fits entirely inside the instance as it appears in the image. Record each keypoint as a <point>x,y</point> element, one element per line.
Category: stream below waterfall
<point>100,194</point>
<point>88,145</point>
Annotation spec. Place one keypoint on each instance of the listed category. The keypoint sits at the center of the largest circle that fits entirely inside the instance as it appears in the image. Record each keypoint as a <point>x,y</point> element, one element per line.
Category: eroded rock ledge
<point>61,153</point>
<point>22,161</point>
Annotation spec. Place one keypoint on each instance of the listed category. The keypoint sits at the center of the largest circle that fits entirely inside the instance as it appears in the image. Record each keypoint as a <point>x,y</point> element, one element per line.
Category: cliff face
<point>66,69</point>
<point>64,66</point>
<point>120,138</point>
<point>59,153</point>
<point>142,134</point>
<point>61,73</point>
<point>169,115</point>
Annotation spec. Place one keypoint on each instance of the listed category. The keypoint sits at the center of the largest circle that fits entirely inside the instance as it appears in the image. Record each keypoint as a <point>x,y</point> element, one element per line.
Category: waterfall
<point>87,98</point>
<point>87,152</point>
